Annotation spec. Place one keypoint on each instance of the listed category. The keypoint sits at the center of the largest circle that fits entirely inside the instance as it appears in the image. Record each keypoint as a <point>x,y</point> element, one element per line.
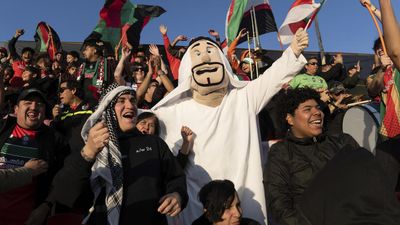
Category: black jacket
<point>53,149</point>
<point>70,124</point>
<point>291,166</point>
<point>352,189</point>
<point>150,172</point>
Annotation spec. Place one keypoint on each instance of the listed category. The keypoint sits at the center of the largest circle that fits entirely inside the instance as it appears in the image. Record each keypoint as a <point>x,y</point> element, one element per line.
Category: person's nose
<point>237,211</point>
<point>205,57</point>
<point>34,105</point>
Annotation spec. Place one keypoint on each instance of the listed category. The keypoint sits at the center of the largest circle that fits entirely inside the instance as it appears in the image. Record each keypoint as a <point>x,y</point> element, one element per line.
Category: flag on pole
<point>47,40</point>
<point>300,13</point>
<point>239,17</point>
<point>143,14</point>
<point>118,14</point>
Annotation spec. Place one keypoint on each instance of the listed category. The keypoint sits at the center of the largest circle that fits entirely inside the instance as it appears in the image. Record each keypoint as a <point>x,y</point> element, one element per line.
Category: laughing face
<point>30,112</point>
<point>126,112</point>
<point>307,120</point>
<point>207,67</point>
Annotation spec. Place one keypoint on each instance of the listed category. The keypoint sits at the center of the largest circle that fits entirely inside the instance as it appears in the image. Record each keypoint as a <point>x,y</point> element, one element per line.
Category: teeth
<point>316,122</point>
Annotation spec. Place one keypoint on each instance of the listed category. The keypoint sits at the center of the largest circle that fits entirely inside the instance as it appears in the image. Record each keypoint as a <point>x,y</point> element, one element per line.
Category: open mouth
<point>206,70</point>
<point>207,74</point>
<point>129,115</point>
<point>32,115</point>
<point>317,123</point>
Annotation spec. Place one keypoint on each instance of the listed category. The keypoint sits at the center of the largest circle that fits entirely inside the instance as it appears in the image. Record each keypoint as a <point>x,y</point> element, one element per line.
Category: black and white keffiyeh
<point>107,170</point>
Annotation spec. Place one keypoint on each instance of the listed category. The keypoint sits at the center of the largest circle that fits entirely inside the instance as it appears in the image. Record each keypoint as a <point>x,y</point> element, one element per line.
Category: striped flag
<point>390,108</point>
<point>298,16</point>
<point>239,17</point>
<point>120,16</point>
<point>47,40</point>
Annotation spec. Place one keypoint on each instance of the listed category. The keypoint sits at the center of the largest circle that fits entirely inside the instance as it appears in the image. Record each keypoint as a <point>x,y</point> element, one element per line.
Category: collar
<point>305,141</point>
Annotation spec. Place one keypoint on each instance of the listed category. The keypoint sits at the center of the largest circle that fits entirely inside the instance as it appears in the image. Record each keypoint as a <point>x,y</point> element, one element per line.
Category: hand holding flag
<point>299,42</point>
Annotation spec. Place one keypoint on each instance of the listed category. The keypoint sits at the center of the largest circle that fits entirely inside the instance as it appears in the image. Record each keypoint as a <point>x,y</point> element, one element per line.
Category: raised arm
<point>215,34</point>
<point>11,44</point>
<point>391,32</point>
<point>178,39</point>
<point>375,10</point>
<point>231,54</point>
<point>377,85</point>
<point>141,90</point>
<point>261,90</point>
<point>126,52</point>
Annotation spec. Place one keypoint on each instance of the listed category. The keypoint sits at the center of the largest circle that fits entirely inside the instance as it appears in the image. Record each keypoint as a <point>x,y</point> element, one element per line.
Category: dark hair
<point>32,69</point>
<point>290,99</point>
<point>28,49</point>
<point>216,196</point>
<point>312,57</point>
<point>74,54</point>
<point>97,45</point>
<point>73,84</point>
<point>377,44</point>
<point>145,115</point>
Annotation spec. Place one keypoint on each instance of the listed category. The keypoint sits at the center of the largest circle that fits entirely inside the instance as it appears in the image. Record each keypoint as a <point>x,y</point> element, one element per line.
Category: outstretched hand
<point>300,41</point>
<point>242,33</point>
<point>163,29</point>
<point>154,50</point>
<point>213,33</point>
<point>126,51</point>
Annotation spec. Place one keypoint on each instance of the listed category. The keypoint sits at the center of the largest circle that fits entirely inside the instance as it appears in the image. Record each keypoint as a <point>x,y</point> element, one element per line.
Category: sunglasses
<point>138,69</point>
<point>313,63</point>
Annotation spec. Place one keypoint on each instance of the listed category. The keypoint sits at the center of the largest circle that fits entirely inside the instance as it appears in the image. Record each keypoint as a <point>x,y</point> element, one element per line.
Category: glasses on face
<point>313,63</point>
<point>62,89</point>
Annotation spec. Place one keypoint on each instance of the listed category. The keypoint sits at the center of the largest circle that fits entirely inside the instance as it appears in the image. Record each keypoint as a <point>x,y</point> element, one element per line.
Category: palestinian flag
<point>298,16</point>
<point>239,17</point>
<point>47,40</point>
<point>118,14</point>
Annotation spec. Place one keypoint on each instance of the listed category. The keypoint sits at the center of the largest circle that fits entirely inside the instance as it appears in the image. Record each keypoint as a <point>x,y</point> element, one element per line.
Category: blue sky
<point>345,25</point>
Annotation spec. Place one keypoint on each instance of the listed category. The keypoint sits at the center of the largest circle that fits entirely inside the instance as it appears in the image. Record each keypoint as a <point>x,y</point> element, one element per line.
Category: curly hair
<point>216,196</point>
<point>290,99</point>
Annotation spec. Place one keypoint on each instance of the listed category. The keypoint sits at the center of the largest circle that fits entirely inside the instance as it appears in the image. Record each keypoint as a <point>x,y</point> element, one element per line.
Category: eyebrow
<point>209,43</point>
<point>195,45</point>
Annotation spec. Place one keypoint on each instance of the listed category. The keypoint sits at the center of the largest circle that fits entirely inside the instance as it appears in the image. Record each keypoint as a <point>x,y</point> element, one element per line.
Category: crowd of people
<point>145,138</point>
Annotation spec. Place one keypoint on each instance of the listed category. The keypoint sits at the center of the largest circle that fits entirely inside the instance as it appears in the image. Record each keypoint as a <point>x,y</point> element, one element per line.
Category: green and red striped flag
<point>239,17</point>
<point>118,14</point>
<point>47,40</point>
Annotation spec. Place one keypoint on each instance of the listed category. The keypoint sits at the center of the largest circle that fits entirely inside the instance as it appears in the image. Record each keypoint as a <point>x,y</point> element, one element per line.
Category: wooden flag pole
<point>377,27</point>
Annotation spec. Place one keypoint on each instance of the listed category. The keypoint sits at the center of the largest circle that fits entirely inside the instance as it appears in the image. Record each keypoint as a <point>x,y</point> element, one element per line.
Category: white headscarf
<point>185,78</point>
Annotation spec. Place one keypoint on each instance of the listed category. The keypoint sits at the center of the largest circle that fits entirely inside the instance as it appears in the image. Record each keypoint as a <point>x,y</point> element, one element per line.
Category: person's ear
<point>16,109</point>
<point>73,91</point>
<point>289,119</point>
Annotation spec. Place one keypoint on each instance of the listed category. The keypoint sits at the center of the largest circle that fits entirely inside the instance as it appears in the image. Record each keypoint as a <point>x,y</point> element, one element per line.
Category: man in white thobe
<point>222,112</point>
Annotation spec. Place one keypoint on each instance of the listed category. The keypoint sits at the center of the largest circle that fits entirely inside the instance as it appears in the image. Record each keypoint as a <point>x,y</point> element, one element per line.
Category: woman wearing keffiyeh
<point>134,177</point>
